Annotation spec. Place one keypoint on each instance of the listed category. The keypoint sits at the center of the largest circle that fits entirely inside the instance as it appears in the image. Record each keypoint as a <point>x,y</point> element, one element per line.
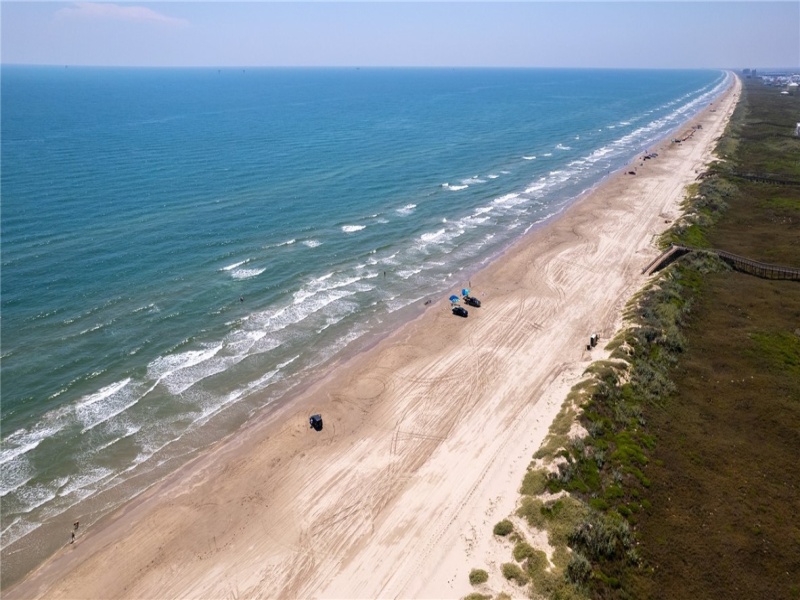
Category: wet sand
<point>426,436</point>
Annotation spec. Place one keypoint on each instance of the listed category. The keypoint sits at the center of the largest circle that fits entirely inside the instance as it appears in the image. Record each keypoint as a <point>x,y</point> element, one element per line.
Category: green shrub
<point>534,482</point>
<point>477,596</point>
<point>558,517</point>
<point>602,536</point>
<point>522,551</point>
<point>579,569</point>
<point>503,528</point>
<point>512,572</point>
<point>477,576</point>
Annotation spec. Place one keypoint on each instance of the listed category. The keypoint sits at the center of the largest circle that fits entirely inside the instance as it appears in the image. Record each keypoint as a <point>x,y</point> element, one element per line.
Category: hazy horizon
<point>592,35</point>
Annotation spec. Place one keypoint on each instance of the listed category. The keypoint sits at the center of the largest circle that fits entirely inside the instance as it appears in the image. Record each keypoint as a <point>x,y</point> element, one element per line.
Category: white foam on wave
<point>96,413</point>
<point>406,210</point>
<point>33,496</point>
<point>214,408</point>
<point>15,474</point>
<point>80,483</point>
<point>537,187</point>
<point>247,273</point>
<point>101,394</point>
<point>128,430</point>
<point>599,153</point>
<point>649,131</point>
<point>472,180</point>
<point>406,273</point>
<point>290,314</point>
<point>316,287</point>
<point>89,411</point>
<point>352,228</point>
<point>505,199</point>
<point>280,244</point>
<point>454,188</point>
<point>18,528</point>
<point>563,147</point>
<point>23,441</point>
<point>311,243</point>
<point>97,326</point>
<point>439,237</point>
<point>235,265</point>
<point>239,343</point>
<point>529,157</point>
<point>547,154</point>
<point>493,176</point>
<point>149,307</point>
<point>432,237</point>
<point>166,365</point>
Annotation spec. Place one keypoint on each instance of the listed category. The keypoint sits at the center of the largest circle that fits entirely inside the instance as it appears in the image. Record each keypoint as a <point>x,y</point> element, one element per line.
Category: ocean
<point>183,248</point>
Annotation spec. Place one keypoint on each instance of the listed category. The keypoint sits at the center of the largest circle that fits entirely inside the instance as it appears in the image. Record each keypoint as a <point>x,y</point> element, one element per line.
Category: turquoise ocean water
<point>139,207</point>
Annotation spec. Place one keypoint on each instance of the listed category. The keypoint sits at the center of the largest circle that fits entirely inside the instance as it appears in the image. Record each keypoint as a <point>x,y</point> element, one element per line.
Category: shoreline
<point>390,460</point>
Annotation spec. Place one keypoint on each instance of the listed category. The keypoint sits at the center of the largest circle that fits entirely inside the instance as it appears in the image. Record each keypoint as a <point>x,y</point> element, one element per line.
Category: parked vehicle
<point>472,301</point>
<point>460,311</point>
<point>316,422</point>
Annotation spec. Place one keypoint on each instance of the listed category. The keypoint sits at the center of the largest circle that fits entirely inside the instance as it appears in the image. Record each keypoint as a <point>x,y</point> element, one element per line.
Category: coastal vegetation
<point>684,479</point>
<point>478,576</point>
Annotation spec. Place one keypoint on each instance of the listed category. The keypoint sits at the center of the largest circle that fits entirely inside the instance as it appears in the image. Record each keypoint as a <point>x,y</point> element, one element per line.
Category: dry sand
<point>427,436</point>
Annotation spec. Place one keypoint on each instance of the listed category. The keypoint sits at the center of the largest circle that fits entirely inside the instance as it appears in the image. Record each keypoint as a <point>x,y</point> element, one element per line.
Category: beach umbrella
<point>465,292</point>
<point>453,298</point>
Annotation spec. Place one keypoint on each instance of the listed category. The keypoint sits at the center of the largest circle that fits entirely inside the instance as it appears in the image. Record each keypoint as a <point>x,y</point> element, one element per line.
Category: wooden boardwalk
<point>737,263</point>
<point>765,178</point>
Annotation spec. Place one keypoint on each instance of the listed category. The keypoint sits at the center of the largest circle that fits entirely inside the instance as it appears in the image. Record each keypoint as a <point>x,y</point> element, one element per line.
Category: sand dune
<point>426,438</point>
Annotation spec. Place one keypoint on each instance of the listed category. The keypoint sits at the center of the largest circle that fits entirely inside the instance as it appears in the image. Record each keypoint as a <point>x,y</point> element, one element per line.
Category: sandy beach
<point>426,436</point>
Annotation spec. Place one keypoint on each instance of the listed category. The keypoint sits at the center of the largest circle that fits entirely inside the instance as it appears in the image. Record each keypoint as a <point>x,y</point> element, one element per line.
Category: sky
<point>592,34</point>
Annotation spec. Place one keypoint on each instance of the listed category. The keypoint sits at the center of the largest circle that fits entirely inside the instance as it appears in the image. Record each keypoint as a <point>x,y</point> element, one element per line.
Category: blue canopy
<point>465,292</point>
<point>453,298</point>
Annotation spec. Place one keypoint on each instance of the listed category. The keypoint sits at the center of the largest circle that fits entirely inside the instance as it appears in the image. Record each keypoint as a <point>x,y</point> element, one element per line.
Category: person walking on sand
<point>72,541</point>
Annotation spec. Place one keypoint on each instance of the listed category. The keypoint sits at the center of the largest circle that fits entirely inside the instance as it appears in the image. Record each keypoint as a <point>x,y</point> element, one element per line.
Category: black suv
<point>472,301</point>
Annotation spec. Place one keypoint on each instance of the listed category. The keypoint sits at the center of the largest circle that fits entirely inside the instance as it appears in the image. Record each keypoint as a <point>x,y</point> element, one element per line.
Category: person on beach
<point>72,541</point>
<point>77,524</point>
